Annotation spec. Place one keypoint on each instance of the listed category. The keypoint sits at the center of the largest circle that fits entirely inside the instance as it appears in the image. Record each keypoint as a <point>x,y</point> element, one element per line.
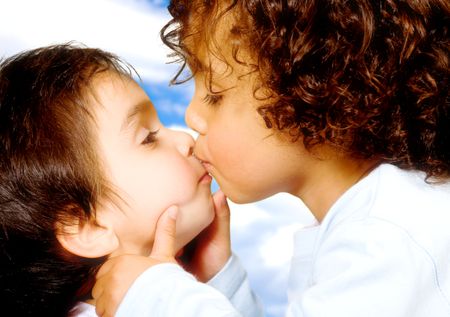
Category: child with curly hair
<point>344,104</point>
<point>87,171</point>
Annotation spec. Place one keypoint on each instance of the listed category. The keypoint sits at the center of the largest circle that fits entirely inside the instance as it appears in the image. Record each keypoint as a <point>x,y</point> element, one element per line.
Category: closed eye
<point>212,99</point>
<point>150,138</point>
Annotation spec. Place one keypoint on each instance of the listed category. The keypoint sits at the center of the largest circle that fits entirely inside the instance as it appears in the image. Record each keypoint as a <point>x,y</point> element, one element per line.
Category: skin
<point>150,167</point>
<point>117,275</point>
<point>251,162</point>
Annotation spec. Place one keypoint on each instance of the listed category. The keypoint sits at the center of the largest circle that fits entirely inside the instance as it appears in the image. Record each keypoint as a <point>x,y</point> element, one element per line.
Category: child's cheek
<point>179,180</point>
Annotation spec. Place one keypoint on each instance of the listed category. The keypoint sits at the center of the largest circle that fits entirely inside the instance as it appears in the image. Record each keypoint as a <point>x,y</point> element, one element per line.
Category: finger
<point>105,268</point>
<point>97,290</point>
<point>164,244</point>
<point>222,213</point>
<point>221,204</point>
<point>100,309</point>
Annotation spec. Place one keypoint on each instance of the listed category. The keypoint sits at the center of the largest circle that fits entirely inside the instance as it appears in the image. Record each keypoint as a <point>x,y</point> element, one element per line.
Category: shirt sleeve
<point>370,269</point>
<point>166,290</point>
<point>232,281</point>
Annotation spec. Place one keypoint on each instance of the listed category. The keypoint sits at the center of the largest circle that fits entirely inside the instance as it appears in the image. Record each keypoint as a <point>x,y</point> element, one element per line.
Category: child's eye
<point>150,138</point>
<point>212,99</point>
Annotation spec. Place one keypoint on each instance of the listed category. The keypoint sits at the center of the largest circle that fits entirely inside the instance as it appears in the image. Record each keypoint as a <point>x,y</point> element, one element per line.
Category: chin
<point>193,218</point>
<point>184,238</point>
<point>246,197</point>
<point>240,199</point>
<point>183,241</point>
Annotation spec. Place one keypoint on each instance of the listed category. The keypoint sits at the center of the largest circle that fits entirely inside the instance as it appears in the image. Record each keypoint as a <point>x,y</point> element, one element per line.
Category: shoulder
<point>396,198</point>
<point>388,235</point>
<point>367,239</point>
<point>392,217</point>
<point>420,209</point>
<point>400,189</point>
<point>374,252</point>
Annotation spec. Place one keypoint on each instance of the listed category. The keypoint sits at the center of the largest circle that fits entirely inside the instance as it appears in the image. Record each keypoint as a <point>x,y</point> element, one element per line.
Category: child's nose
<point>184,143</point>
<point>195,120</point>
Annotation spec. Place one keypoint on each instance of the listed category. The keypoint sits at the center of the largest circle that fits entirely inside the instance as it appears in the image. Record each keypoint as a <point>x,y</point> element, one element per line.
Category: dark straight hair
<point>49,174</point>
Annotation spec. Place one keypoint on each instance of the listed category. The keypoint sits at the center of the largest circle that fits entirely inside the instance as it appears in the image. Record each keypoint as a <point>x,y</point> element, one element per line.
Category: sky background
<point>261,232</point>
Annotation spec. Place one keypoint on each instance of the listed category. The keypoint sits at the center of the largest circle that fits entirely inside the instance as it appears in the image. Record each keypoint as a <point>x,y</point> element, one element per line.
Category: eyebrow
<point>133,113</point>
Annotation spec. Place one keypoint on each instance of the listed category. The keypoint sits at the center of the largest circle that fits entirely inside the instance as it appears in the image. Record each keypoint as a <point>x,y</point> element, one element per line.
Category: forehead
<point>218,46</point>
<point>217,65</point>
<point>111,86</point>
<point>119,99</point>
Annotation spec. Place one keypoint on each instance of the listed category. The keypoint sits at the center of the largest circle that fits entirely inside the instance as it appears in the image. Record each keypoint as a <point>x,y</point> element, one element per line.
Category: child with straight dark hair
<point>344,104</point>
<point>86,172</point>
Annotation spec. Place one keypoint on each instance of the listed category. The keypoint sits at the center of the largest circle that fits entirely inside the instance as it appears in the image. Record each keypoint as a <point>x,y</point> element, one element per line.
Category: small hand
<point>210,251</point>
<point>117,274</point>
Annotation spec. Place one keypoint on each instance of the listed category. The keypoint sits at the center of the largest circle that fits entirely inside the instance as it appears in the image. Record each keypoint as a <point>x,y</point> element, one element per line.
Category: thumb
<point>221,204</point>
<point>222,210</point>
<point>164,244</point>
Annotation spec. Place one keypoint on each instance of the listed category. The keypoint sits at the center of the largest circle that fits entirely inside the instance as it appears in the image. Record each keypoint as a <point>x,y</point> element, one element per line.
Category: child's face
<point>249,161</point>
<point>149,171</point>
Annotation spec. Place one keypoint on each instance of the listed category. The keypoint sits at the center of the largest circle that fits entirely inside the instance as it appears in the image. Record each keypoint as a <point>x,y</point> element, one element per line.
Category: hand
<point>117,274</point>
<point>209,252</point>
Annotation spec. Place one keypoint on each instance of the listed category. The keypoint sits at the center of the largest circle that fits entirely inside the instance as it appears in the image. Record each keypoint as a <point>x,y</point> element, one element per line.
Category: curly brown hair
<point>367,77</point>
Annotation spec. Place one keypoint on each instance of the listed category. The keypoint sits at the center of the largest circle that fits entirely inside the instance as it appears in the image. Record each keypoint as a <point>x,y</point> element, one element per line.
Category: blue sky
<point>261,232</point>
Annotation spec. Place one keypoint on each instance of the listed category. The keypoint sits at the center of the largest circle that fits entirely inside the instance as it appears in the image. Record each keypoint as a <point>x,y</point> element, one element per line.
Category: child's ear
<point>88,239</point>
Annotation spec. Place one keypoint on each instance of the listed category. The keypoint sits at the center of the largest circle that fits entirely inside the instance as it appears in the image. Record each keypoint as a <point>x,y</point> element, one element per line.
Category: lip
<point>207,165</point>
<point>206,178</point>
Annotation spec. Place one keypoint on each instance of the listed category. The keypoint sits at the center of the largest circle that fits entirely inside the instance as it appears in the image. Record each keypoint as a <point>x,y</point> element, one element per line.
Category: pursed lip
<point>207,167</point>
<point>206,177</point>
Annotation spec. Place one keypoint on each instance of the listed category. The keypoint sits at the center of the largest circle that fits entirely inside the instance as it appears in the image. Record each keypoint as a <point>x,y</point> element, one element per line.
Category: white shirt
<point>83,309</point>
<point>383,249</point>
<point>167,290</point>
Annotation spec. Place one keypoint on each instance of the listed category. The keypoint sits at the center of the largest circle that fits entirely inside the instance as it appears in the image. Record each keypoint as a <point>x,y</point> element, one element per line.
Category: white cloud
<point>271,224</point>
<point>244,215</point>
<point>128,28</point>
<point>169,107</point>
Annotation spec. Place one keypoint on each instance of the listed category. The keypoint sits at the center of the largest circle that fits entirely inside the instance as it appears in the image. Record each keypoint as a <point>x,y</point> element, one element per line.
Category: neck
<point>329,180</point>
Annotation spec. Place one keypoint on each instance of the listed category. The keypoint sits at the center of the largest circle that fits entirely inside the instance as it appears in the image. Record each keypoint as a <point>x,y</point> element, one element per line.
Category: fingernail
<point>173,212</point>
